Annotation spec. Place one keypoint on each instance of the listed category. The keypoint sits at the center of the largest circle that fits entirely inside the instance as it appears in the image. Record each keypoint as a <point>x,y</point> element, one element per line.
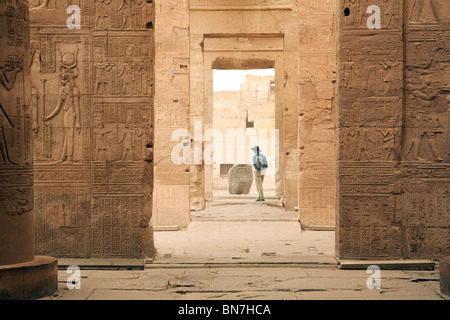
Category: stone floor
<point>248,283</point>
<point>229,254</point>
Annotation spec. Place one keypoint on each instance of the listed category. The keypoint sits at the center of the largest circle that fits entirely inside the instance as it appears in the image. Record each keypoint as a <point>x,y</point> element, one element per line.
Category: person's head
<point>256,149</point>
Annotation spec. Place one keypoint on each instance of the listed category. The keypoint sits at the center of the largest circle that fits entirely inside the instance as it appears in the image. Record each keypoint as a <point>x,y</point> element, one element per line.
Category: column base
<point>31,280</point>
<point>444,269</point>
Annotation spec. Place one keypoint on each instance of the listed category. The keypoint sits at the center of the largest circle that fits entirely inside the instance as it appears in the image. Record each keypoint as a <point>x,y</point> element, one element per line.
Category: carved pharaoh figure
<point>102,78</point>
<point>364,138</point>
<point>428,124</point>
<point>389,67</point>
<point>389,136</point>
<point>103,145</point>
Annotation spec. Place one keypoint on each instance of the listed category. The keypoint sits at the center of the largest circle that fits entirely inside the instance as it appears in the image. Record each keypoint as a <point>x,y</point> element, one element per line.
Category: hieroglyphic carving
<point>122,14</point>
<point>367,223</point>
<point>413,131</point>
<point>122,66</point>
<point>427,119</point>
<point>371,117</point>
<point>377,137</point>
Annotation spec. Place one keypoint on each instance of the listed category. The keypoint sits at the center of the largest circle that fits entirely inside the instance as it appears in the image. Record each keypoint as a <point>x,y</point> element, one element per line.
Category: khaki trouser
<point>259,179</point>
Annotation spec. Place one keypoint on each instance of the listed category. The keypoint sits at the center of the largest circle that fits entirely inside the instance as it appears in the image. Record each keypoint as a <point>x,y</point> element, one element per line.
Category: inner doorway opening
<point>244,114</point>
<point>243,117</point>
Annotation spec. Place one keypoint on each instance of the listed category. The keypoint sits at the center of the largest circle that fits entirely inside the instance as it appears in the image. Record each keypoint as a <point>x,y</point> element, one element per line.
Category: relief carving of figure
<point>8,75</point>
<point>102,74</point>
<point>103,145</point>
<point>421,58</point>
<point>364,138</point>
<point>127,15</point>
<point>389,67</point>
<point>4,155</point>
<point>8,72</point>
<point>389,137</point>
<point>128,137</point>
<point>127,72</point>
<point>428,124</point>
<point>101,12</point>
<point>69,101</point>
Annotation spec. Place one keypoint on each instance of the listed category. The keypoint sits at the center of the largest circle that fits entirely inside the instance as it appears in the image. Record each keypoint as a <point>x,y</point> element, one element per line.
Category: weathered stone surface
<point>93,128</point>
<point>240,179</point>
<point>393,140</point>
<point>317,121</point>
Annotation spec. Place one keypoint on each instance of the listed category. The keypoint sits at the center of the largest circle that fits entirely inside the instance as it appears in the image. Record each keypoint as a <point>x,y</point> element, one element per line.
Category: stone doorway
<point>251,52</point>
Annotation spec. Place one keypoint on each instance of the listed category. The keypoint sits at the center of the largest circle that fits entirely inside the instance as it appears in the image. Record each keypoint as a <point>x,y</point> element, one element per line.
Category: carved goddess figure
<point>69,102</point>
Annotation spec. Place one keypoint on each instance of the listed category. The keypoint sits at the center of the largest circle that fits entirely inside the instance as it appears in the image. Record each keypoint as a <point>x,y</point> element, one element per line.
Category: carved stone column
<point>22,274</point>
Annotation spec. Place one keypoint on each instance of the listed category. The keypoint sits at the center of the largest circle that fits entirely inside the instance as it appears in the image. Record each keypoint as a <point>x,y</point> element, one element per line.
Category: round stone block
<point>240,179</point>
<point>31,280</point>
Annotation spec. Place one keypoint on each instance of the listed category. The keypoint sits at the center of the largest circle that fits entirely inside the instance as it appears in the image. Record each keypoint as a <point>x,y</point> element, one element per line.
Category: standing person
<point>260,165</point>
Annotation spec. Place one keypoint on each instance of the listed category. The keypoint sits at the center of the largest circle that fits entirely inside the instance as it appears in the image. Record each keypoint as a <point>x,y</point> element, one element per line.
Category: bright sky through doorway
<point>231,80</point>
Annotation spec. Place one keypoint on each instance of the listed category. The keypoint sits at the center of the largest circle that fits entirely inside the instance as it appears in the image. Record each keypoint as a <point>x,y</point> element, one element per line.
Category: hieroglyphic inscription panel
<point>93,128</point>
<point>394,128</point>
<point>370,79</point>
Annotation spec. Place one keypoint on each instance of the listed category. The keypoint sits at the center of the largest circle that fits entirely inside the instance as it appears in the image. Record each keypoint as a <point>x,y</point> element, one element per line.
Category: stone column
<point>171,193</point>
<point>22,274</point>
<point>317,158</point>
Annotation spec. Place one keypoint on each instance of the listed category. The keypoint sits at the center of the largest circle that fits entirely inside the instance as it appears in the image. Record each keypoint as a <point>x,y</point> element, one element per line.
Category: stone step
<point>387,264</point>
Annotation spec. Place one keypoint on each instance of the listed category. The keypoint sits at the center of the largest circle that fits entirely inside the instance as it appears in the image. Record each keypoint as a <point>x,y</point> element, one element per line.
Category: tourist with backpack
<point>260,164</point>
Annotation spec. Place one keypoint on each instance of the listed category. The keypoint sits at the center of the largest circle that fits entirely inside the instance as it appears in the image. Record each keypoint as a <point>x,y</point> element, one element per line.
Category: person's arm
<point>9,84</point>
